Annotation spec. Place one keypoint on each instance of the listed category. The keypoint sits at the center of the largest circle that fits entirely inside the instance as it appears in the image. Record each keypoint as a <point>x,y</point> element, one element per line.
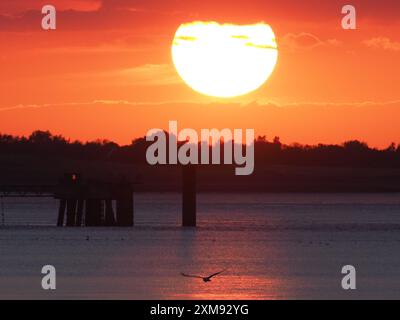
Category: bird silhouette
<point>205,279</point>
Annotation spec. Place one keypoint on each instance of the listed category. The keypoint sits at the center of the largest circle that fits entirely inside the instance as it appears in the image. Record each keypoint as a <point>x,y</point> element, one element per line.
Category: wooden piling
<point>189,196</point>
<point>93,213</point>
<point>125,208</point>
<point>90,202</point>
<point>61,212</point>
<point>109,219</point>
<point>79,212</point>
<point>71,212</point>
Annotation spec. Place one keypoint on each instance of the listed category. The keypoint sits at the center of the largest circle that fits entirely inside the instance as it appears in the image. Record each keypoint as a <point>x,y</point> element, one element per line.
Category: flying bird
<point>205,279</point>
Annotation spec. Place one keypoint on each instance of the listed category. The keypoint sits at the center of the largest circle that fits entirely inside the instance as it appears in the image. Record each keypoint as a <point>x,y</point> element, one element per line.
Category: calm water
<point>275,246</point>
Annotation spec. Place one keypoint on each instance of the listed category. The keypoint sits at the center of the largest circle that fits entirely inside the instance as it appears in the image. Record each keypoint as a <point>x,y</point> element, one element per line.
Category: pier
<point>95,203</point>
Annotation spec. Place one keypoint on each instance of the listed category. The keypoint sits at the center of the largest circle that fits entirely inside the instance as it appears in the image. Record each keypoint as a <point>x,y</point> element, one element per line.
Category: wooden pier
<point>94,203</point>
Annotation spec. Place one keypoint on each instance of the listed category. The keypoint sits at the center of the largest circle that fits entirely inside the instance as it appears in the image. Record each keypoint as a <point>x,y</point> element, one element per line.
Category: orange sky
<point>106,72</point>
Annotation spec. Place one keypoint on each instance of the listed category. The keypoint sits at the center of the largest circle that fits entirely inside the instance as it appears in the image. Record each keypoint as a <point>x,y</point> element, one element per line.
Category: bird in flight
<point>205,279</point>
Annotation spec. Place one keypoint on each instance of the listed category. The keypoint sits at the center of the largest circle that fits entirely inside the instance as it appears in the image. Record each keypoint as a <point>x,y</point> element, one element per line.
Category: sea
<point>269,246</point>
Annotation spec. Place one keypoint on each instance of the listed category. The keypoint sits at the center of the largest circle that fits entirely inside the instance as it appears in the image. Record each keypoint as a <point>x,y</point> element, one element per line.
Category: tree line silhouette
<point>351,153</point>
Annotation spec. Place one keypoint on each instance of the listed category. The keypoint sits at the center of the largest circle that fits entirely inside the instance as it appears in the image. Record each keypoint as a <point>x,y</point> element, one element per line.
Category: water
<point>274,246</point>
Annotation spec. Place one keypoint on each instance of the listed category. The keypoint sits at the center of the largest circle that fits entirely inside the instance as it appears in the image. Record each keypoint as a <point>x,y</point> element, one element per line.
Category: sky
<point>106,72</point>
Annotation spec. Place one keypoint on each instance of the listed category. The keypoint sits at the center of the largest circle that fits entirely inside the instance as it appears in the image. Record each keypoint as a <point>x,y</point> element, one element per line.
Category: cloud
<point>141,75</point>
<point>305,41</point>
<point>150,74</point>
<point>25,16</point>
<point>12,7</point>
<point>258,104</point>
<point>382,43</point>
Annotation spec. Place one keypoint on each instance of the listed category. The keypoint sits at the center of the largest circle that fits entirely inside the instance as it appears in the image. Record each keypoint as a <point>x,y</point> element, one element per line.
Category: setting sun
<point>224,60</point>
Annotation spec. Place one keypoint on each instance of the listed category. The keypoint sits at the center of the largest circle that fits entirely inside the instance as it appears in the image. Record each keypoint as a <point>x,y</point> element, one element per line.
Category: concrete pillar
<point>189,196</point>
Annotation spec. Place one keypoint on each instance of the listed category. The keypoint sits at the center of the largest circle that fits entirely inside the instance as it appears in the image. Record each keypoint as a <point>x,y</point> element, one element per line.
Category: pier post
<point>93,213</point>
<point>71,212</point>
<point>189,196</point>
<point>79,212</point>
<point>125,208</point>
<point>110,219</point>
<point>61,212</point>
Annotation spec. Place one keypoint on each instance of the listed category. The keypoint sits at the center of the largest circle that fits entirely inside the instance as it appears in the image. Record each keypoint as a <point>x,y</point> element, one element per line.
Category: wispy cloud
<point>142,75</point>
<point>151,74</point>
<point>257,103</point>
<point>121,120</point>
<point>305,41</point>
<point>382,43</point>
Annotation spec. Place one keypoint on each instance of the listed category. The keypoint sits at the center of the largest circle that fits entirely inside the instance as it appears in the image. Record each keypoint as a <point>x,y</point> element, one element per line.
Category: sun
<point>224,60</point>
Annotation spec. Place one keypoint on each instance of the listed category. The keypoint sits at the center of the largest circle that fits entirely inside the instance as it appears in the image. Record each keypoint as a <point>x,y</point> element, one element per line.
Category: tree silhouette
<point>351,153</point>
